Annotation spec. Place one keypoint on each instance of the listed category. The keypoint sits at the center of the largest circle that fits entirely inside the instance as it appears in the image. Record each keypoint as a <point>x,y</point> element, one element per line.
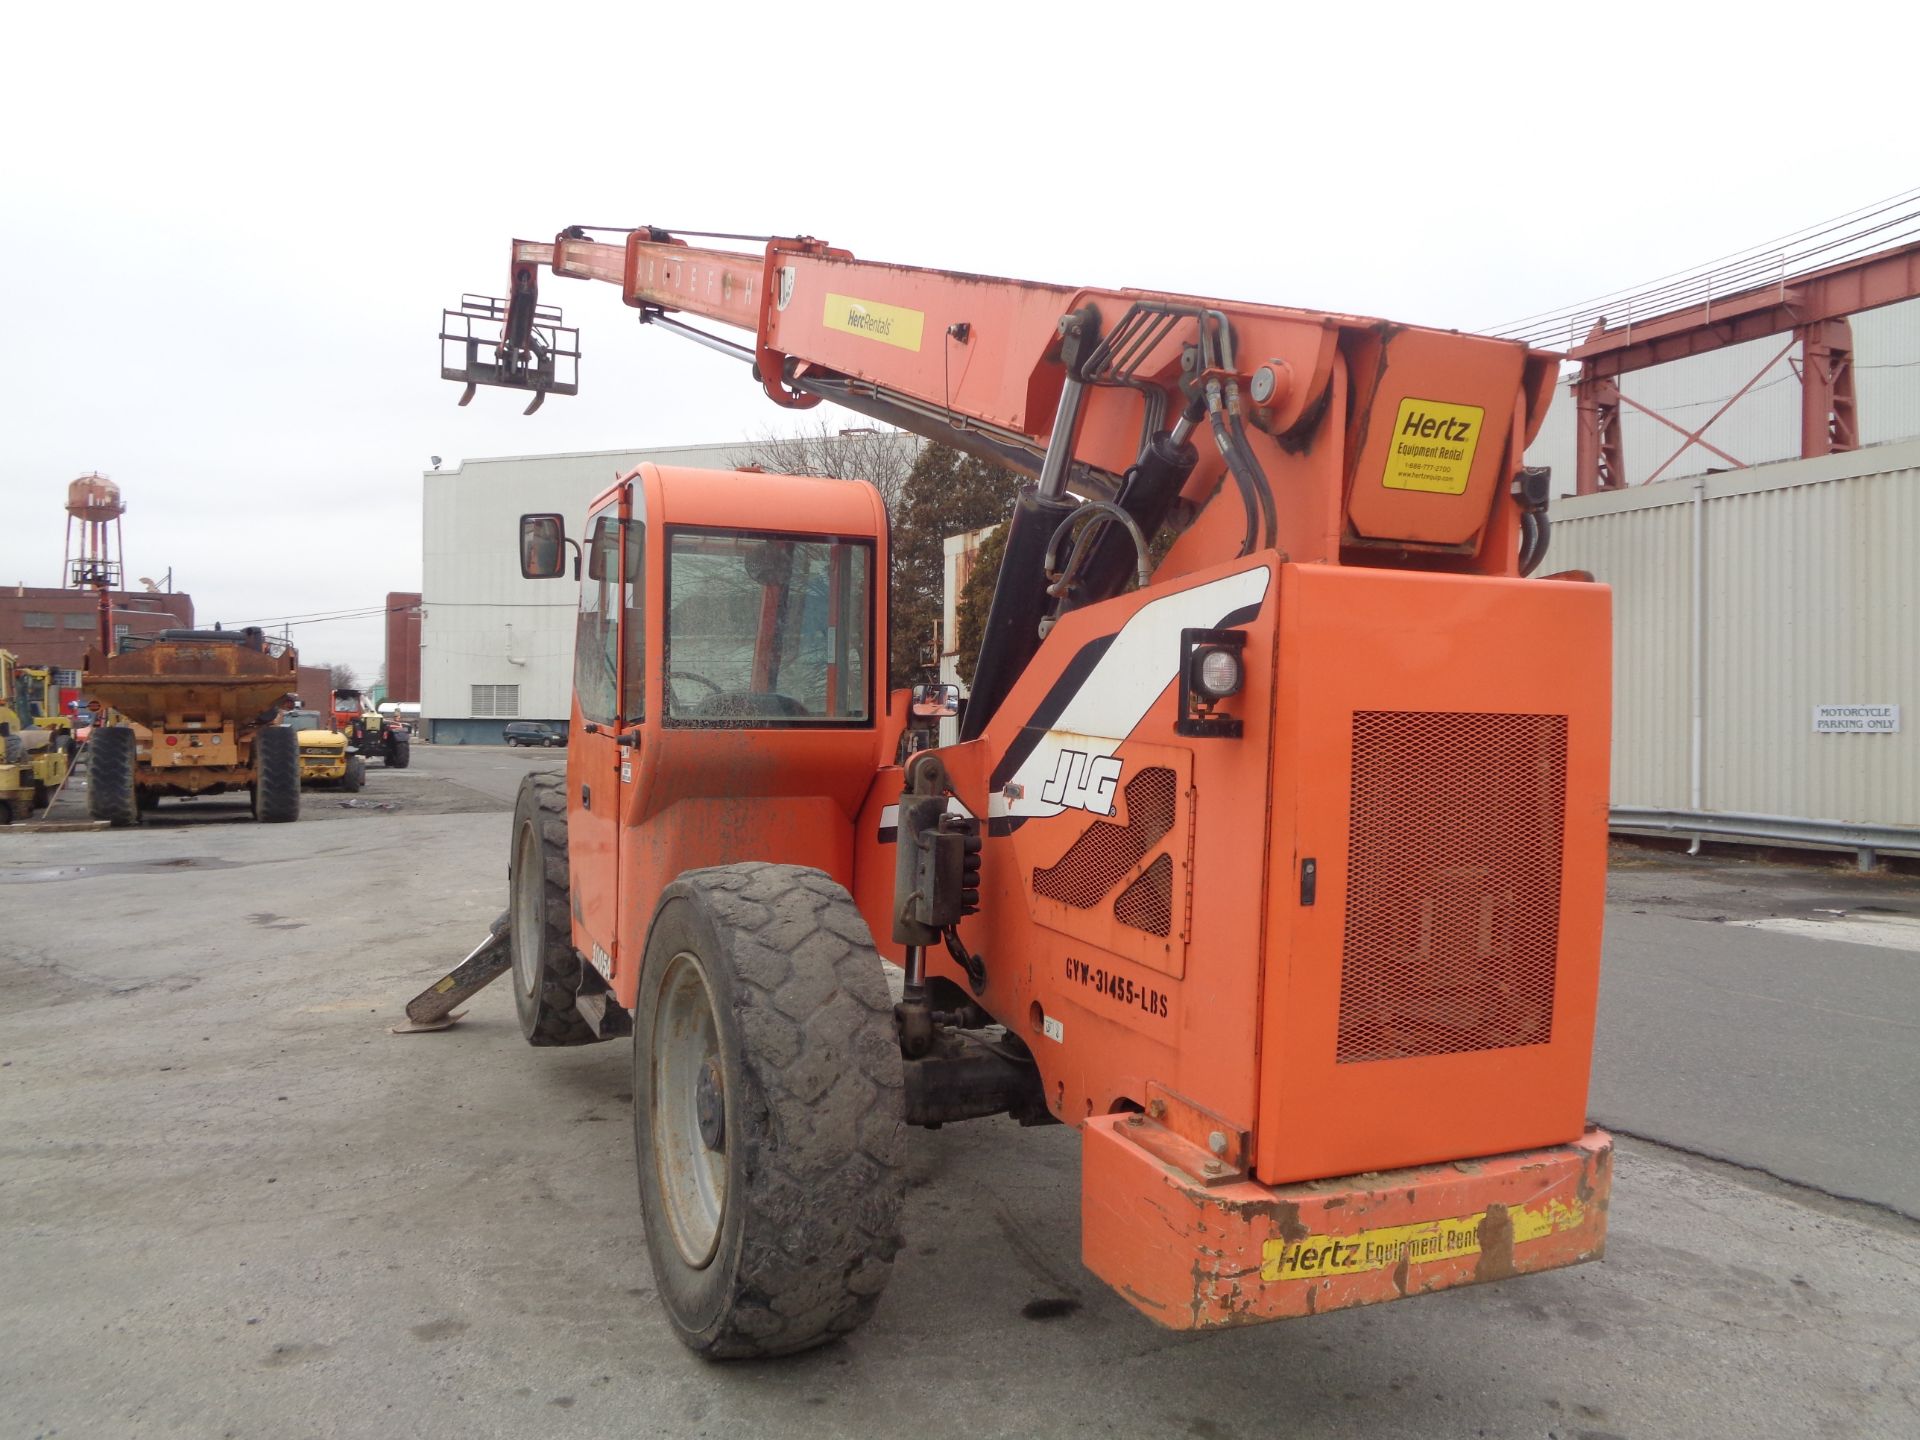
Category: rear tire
<point>276,784</point>
<point>399,754</point>
<point>768,1101</point>
<point>547,970</point>
<point>111,795</point>
<point>356,776</point>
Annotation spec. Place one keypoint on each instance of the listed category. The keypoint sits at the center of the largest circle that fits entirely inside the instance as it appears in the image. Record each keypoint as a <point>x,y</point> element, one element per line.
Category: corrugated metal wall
<point>1812,596</point>
<point>1645,554</point>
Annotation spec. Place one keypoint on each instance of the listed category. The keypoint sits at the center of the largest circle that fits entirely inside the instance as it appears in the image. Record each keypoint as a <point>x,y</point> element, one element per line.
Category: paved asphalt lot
<point>231,1204</point>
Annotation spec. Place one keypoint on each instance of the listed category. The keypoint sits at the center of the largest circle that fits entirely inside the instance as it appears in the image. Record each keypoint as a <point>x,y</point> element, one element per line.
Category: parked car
<point>535,732</point>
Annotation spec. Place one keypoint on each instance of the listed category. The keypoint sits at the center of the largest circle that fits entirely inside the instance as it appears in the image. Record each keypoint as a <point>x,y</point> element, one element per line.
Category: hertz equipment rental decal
<point>1433,445</point>
<point>889,324</point>
<point>1418,1243</point>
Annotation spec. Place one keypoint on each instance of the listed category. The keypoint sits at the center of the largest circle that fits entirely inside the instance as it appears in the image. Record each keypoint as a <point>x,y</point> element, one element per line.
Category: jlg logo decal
<point>1083,782</point>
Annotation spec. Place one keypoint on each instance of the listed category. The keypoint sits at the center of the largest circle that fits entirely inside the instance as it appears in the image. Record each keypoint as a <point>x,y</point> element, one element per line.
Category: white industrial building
<point>495,647</point>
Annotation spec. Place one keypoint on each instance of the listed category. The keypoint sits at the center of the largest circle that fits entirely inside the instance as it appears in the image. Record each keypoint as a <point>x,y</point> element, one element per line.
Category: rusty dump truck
<point>202,707</point>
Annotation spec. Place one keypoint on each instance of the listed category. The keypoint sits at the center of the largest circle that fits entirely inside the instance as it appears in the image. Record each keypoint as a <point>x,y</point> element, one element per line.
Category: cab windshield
<point>768,629</point>
<point>303,720</point>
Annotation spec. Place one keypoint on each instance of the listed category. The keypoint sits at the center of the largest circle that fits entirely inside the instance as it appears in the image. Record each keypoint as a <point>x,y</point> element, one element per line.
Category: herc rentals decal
<point>889,324</point>
<point>1065,757</point>
<point>1433,445</point>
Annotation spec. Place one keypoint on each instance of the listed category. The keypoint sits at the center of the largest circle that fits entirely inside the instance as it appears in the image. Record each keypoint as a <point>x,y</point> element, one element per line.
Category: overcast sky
<point>227,231</point>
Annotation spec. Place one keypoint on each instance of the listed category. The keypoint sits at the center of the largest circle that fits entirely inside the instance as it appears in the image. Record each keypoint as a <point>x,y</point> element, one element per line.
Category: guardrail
<point>1867,842</point>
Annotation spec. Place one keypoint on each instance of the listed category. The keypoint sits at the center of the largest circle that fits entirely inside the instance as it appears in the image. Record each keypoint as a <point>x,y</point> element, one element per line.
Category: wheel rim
<point>689,1110</point>
<point>529,875</point>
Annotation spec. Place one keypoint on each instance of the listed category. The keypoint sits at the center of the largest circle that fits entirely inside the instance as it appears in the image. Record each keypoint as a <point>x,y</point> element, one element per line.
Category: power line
<point>1822,227</point>
<point>1871,228</point>
<point>324,617</point>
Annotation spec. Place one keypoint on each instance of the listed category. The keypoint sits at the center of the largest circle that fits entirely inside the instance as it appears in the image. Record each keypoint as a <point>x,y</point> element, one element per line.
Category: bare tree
<point>882,457</point>
<point>344,677</point>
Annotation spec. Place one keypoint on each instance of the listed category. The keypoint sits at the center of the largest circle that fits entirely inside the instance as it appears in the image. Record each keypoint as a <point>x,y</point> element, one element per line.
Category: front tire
<point>276,775</point>
<point>111,794</point>
<point>768,1099</point>
<point>356,777</point>
<point>399,754</point>
<point>547,970</point>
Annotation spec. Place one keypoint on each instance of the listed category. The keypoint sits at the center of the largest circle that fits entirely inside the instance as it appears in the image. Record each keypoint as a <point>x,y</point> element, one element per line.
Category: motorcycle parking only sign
<point>1856,719</point>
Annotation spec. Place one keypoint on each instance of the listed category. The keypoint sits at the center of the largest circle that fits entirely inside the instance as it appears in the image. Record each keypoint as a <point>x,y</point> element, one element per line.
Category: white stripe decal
<point>1134,672</point>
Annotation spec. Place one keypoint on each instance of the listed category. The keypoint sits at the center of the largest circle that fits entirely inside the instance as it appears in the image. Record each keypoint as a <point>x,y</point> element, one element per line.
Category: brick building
<point>316,688</point>
<point>55,627</point>
<point>403,647</point>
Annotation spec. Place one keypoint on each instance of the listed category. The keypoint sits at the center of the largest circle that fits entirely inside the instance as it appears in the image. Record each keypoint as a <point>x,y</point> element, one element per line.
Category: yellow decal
<point>889,324</point>
<point>1418,1243</point>
<point>1432,446</point>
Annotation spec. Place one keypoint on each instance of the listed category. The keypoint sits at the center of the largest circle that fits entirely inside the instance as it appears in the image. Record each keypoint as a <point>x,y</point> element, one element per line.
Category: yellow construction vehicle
<point>324,760</point>
<point>33,752</point>
<point>199,711</point>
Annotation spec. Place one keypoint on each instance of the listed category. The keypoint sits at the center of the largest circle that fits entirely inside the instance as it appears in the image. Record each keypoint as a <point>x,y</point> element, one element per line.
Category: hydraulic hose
<point>1261,485</point>
<point>1143,562</point>
<point>1534,533</point>
<point>1533,488</point>
<point>1230,435</point>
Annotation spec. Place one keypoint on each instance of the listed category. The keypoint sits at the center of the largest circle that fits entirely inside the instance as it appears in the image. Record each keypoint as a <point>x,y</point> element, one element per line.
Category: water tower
<point>94,504</point>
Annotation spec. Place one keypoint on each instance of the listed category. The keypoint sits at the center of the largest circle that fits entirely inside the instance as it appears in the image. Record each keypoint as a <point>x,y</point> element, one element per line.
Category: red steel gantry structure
<point>1811,310</point>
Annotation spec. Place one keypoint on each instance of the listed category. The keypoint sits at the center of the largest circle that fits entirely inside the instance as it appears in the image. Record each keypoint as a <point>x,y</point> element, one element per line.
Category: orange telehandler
<point>1276,867</point>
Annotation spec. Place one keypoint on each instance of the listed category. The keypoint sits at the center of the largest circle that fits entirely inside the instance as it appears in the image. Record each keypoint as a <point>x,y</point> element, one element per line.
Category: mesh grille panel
<point>1147,904</point>
<point>1105,851</point>
<point>1453,883</point>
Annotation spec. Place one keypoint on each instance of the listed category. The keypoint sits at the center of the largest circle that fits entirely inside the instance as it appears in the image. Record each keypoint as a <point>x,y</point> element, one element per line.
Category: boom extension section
<point>1068,385</point>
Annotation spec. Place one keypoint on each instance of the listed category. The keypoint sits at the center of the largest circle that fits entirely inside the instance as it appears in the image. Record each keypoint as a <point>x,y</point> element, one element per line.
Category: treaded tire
<point>356,777</point>
<point>276,785</point>
<point>547,970</point>
<point>812,1097</point>
<point>13,748</point>
<point>399,754</point>
<point>112,756</point>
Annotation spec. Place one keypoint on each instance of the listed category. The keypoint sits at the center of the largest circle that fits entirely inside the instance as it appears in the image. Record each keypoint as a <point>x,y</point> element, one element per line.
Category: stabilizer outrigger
<point>433,1007</point>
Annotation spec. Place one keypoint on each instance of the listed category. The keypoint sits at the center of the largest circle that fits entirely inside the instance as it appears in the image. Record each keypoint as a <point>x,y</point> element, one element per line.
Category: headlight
<point>1213,668</point>
<point>1217,672</point>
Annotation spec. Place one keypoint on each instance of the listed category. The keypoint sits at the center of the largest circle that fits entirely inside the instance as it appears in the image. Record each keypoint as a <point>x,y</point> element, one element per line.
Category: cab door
<point>595,754</point>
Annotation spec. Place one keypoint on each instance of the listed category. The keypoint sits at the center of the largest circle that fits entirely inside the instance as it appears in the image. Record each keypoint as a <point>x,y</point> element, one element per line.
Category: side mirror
<point>543,547</point>
<point>935,702</point>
